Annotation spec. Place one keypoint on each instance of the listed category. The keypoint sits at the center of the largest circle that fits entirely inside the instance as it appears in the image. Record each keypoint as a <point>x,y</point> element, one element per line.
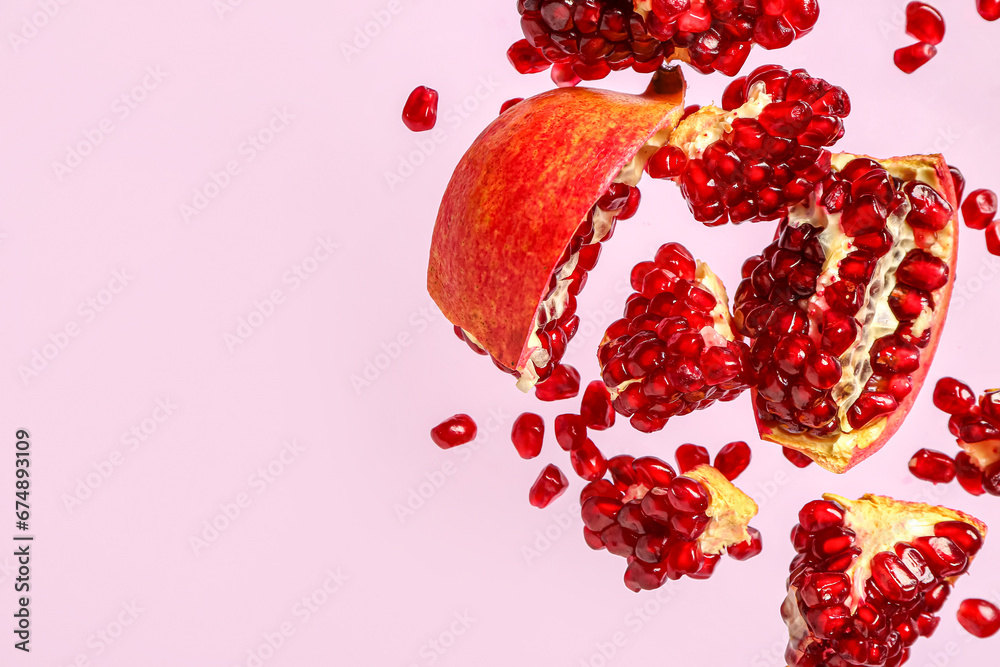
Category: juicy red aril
<point>733,459</point>
<point>588,462</point>
<point>821,514</point>
<point>420,110</point>
<point>979,617</point>
<point>596,409</point>
<point>892,577</point>
<point>564,76</point>
<point>454,431</point>
<point>969,475</point>
<point>932,466</point>
<point>993,238</point>
<point>953,396</point>
<point>599,513</point>
<point>966,536</point>
<point>562,384</point>
<point>785,119</point>
<point>690,457</point>
<point>825,589</point>
<point>640,576</point>
<point>831,541</point>
<point>749,549</point>
<point>653,472</point>
<point>687,495</point>
<point>667,162</point>
<point>924,23</point>
<point>923,271</point>
<point>527,434</point>
<point>991,479</point>
<point>943,555</point>
<point>930,210</point>
<point>551,484</point>
<point>989,9</point>
<point>798,459</point>
<point>911,58</point>
<point>688,526</point>
<point>570,431</point>
<point>979,209</point>
<point>829,622</point>
<point>526,59</point>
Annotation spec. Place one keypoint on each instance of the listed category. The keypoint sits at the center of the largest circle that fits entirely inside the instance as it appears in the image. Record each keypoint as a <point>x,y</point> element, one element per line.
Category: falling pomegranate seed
<point>455,431</point>
<point>570,431</point>
<point>527,435</point>
<point>733,459</point>
<point>690,457</point>
<point>924,23</point>
<point>595,408</point>
<point>564,76</point>
<point>562,384</point>
<point>588,462</point>
<point>910,58</point>
<point>991,479</point>
<point>979,617</point>
<point>510,103</point>
<point>932,466</point>
<point>797,458</point>
<point>954,397</point>
<point>749,549</point>
<point>526,59</point>
<point>993,238</point>
<point>969,475</point>
<point>420,111</point>
<point>979,209</point>
<point>989,9</point>
<point>551,484</point>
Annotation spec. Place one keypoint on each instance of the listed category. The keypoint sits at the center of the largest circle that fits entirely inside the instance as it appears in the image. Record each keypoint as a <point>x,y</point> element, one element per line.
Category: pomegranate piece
<point>932,466</point>
<point>976,425</point>
<point>910,58</point>
<point>507,268</point>
<point>595,408</point>
<point>979,209</point>
<point>420,110</point>
<point>690,457</point>
<point>526,59</point>
<point>979,617</point>
<point>924,23</point>
<point>989,9</point>
<point>527,435</point>
<point>551,484</point>
<point>454,431</point>
<point>798,459</point>
<point>733,459</point>
<point>562,384</point>
<point>674,350</point>
<point>828,381</point>
<point>870,576</point>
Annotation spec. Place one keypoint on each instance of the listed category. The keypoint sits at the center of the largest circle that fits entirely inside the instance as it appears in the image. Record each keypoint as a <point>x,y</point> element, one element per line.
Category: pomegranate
<point>667,526</point>
<point>976,424</point>
<point>844,309</point>
<point>454,431</point>
<point>551,484</point>
<point>979,209</point>
<point>594,37</point>
<point>674,351</point>
<point>760,154</point>
<point>595,408</point>
<point>524,216</point>
<point>911,58</point>
<point>870,576</point>
<point>924,23</point>
<point>527,435</point>
<point>420,110</point>
<point>979,617</point>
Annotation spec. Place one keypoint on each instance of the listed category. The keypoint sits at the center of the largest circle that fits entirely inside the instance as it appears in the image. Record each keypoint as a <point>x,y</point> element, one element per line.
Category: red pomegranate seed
<point>959,179</point>
<point>954,397</point>
<point>968,474</point>
<point>420,111</point>
<point>687,495</point>
<point>798,459</point>
<point>924,23</point>
<point>570,431</point>
<point>667,162</point>
<point>454,431</point>
<point>991,479</point>
<point>892,577</point>
<point>599,513</point>
<point>828,622</point>
<point>932,466</point>
<point>551,484</point>
<point>979,209</point>
<point>690,457</point>
<point>733,459</point>
<point>526,59</point>
<point>527,435</point>
<point>562,384</point>
<point>749,549</point>
<point>989,9</point>
<point>510,103</point>
<point>592,539</point>
<point>923,271</point>
<point>596,409</point>
<point>825,589</point>
<point>821,514</point>
<point>910,58</point>
<point>564,76</point>
<point>966,536</point>
<point>685,558</point>
<point>640,576</point>
<point>979,617</point>
<point>993,238</point>
<point>588,462</point>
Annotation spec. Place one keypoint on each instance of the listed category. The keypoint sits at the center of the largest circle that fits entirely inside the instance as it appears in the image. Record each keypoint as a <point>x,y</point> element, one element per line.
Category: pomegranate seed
<point>685,558</point>
<point>564,76</point>
<point>969,475</point>
<point>924,23</point>
<point>821,514</point>
<point>592,539</point>
<point>690,457</point>
<point>993,238</point>
<point>944,556</point>
<point>932,466</point>
<point>979,617</point>
<point>526,59</point>
<point>870,407</point>
<point>923,271</point>
<point>455,431</point>
<point>954,397</point>
<point>892,577</point>
<point>935,598</point>
<point>588,463</point>
<point>733,459</point>
<point>979,209</point>
<point>798,459</point>
<point>420,110</point>
<point>595,409</point>
<point>911,58</point>
<point>828,622</point>
<point>527,435</point>
<point>652,472</point>
<point>667,162</point>
<point>551,484</point>
<point>642,576</point>
<point>599,513</point>
<point>688,526</point>
<point>966,536</point>
<point>749,549</point>
<point>824,589</point>
<point>991,479</point>
<point>989,9</point>
<point>570,431</point>
<point>562,384</point>
<point>687,495</point>
<point>959,180</point>
<point>930,210</point>
<point>510,103</point>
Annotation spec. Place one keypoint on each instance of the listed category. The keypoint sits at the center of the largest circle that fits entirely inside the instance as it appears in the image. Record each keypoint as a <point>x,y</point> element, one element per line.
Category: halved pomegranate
<point>527,209</point>
<point>674,351</point>
<point>667,526</point>
<point>845,308</point>
<point>976,424</point>
<point>870,576</point>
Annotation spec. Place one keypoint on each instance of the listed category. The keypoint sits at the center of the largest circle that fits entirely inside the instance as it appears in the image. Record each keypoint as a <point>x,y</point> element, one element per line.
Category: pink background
<point>467,568</point>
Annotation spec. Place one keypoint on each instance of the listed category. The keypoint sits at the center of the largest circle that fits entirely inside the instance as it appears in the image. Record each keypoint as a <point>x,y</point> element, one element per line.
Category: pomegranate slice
<point>870,576</point>
<point>674,352</point>
<point>976,424</point>
<point>523,218</point>
<point>667,526</point>
<point>760,154</point>
<point>845,308</point>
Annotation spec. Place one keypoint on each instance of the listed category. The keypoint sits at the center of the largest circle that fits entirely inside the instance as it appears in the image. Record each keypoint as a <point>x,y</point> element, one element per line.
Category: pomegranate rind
<point>517,198</point>
<point>729,509</point>
<point>846,450</point>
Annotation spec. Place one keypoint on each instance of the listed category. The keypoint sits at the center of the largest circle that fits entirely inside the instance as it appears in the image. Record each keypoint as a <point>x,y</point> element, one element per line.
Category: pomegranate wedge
<point>526,211</point>
<point>846,307</point>
<point>870,576</point>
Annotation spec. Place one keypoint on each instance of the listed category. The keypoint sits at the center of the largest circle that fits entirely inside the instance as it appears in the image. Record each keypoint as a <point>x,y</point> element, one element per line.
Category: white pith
<point>715,123</point>
<point>984,453</point>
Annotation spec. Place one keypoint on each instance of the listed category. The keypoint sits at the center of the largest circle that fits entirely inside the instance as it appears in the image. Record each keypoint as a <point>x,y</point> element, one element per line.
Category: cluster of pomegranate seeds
<point>527,435</point>
<point>731,460</point>
<point>666,357</point>
<point>796,458</point>
<point>805,329</point>
<point>989,9</point>
<point>592,38</point>
<point>551,484</point>
<point>925,24</point>
<point>420,110</point>
<point>976,424</point>
<point>870,622</point>
<point>454,431</point>
<point>767,160</point>
<point>932,466</point>
<point>979,617</point>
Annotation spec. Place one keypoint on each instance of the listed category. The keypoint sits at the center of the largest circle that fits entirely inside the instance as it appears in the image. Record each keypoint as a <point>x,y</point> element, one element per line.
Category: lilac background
<point>468,569</point>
